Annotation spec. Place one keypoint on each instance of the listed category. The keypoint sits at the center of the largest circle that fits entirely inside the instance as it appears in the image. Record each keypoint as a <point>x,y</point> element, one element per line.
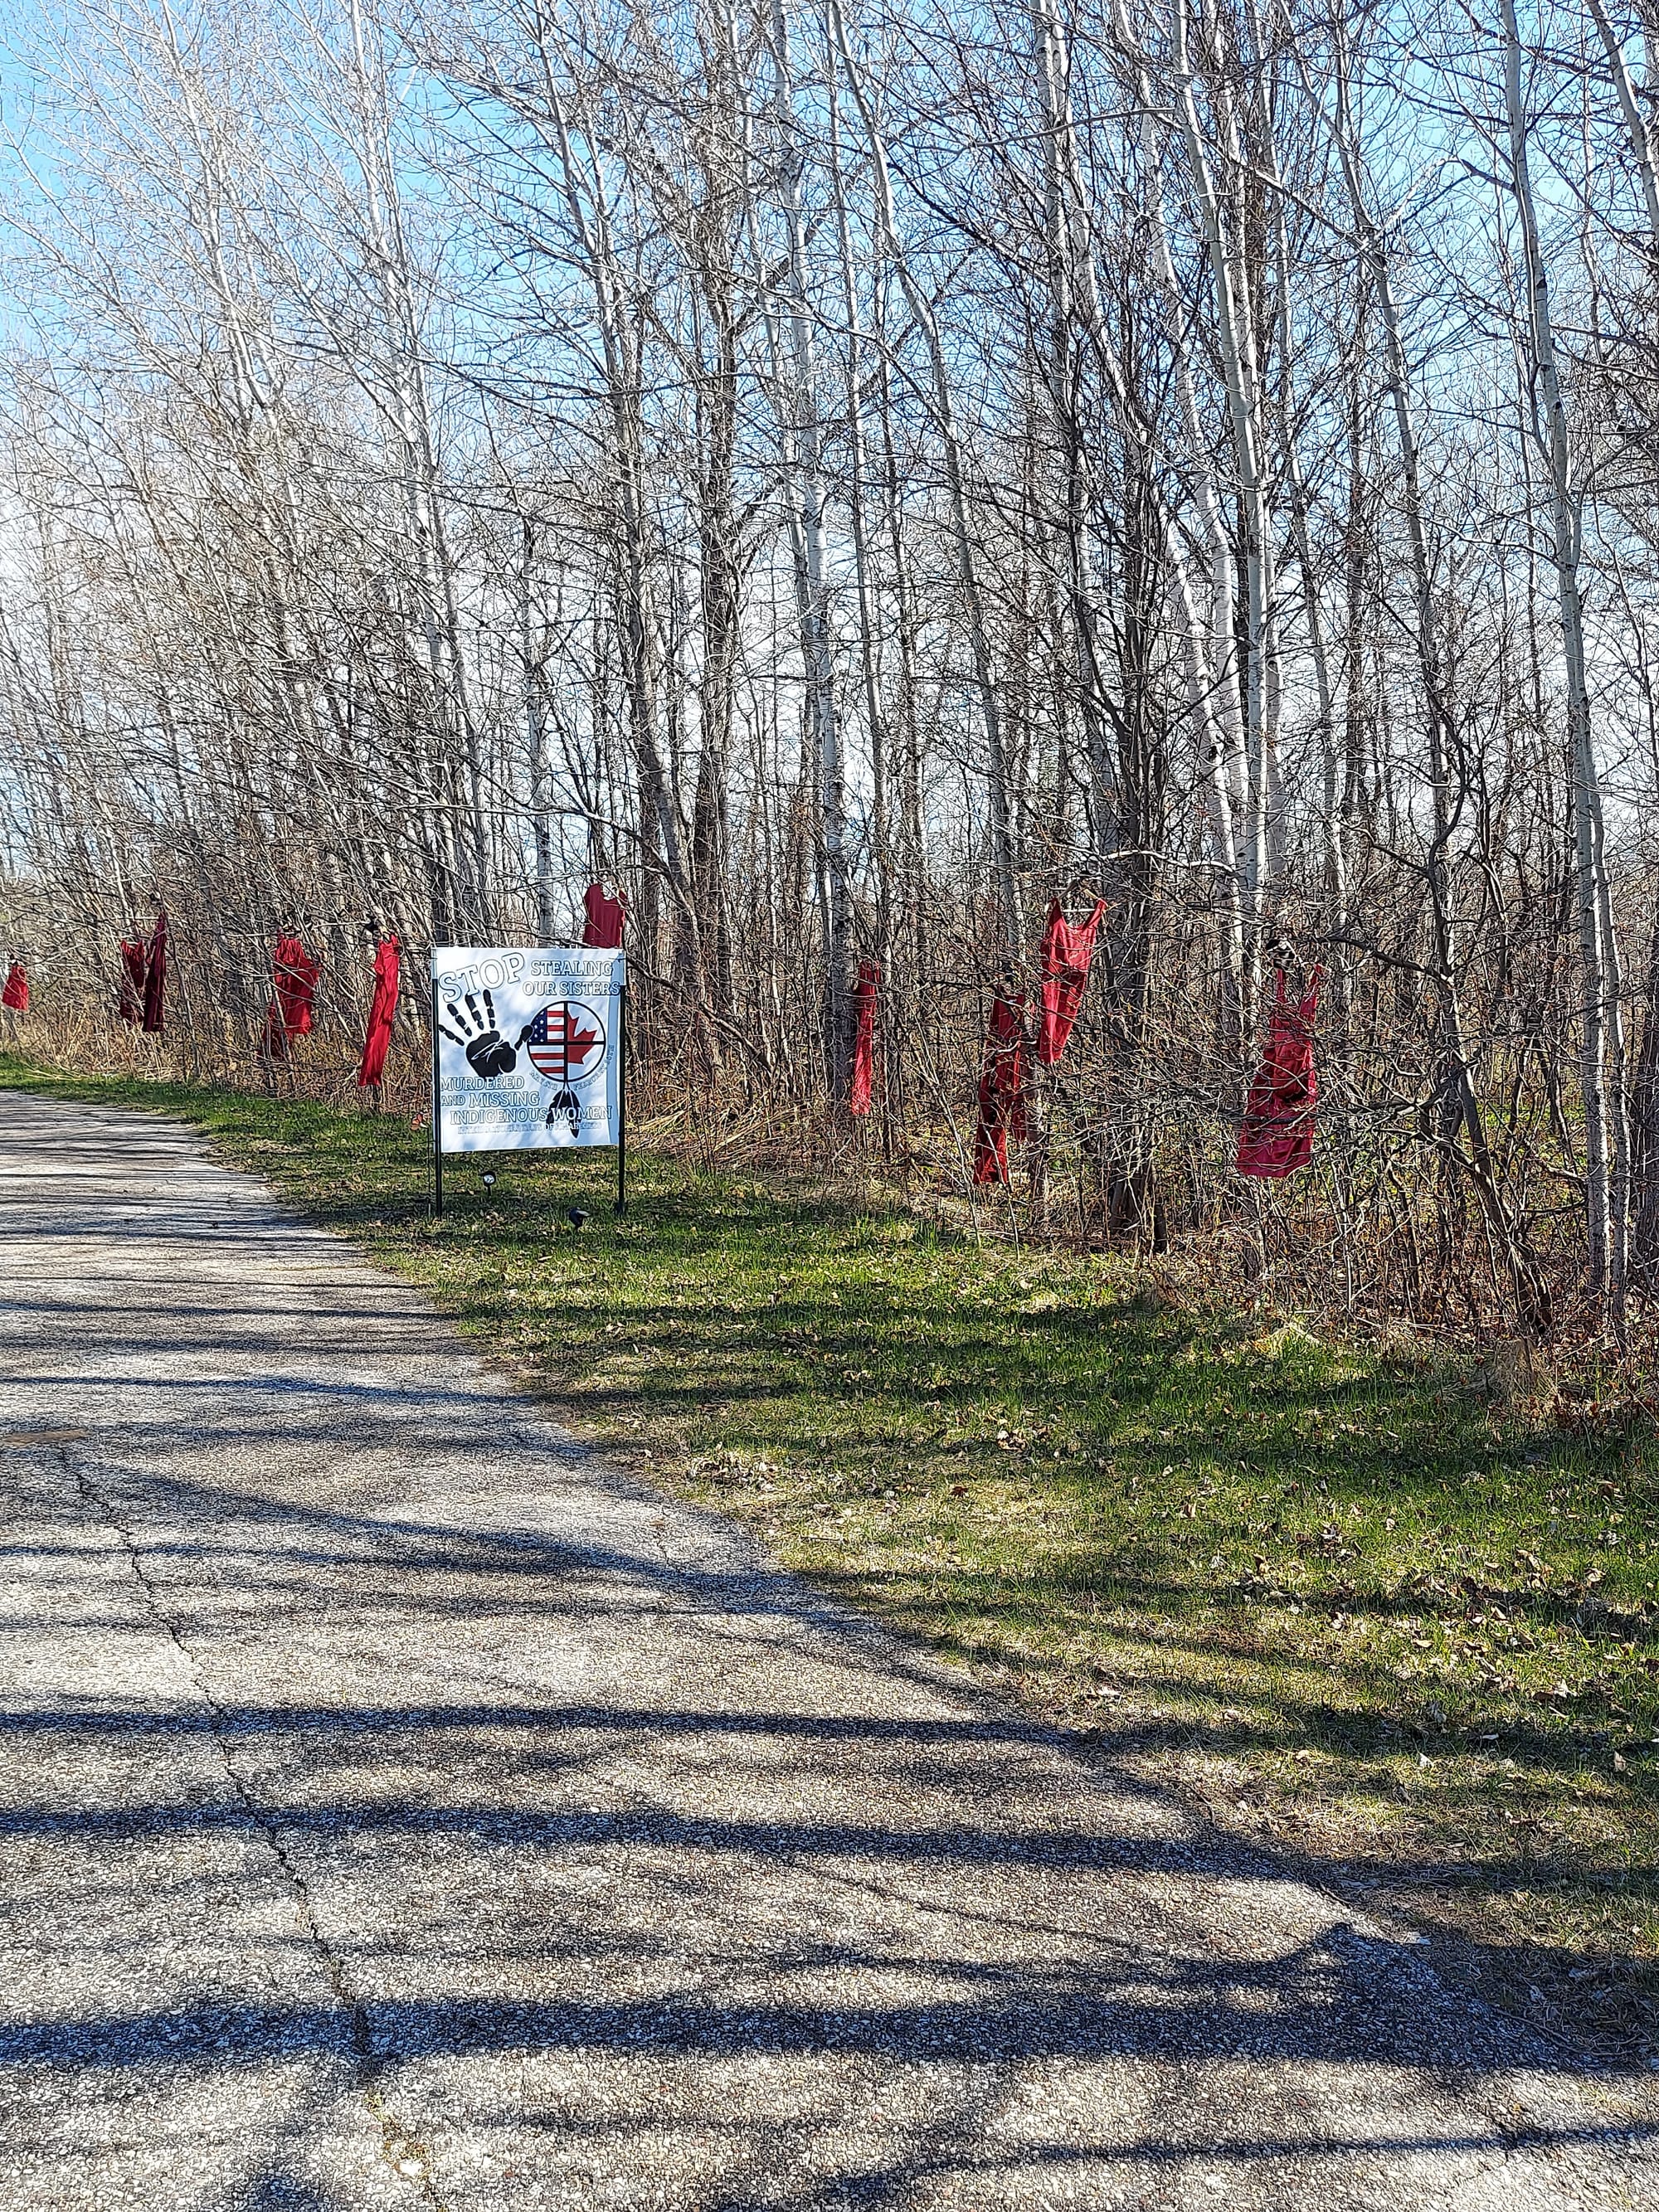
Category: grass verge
<point>1406,1637</point>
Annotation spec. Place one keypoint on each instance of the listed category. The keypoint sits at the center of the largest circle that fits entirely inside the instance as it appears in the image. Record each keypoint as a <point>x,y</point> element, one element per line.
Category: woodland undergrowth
<point>1383,1245</point>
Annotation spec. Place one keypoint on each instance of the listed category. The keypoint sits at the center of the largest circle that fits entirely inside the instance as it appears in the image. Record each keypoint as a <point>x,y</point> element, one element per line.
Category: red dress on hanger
<point>1277,1136</point>
<point>605,918</point>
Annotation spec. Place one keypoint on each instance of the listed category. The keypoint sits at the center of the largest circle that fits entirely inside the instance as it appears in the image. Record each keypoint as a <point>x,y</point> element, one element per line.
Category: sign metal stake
<point>437,1115</point>
<point>622,1100</point>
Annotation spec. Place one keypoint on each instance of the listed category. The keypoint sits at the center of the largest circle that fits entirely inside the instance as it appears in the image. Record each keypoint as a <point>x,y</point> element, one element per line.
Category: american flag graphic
<point>566,1041</point>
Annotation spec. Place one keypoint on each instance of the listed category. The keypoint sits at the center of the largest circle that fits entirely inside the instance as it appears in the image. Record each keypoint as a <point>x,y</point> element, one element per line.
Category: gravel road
<point>401,1807</point>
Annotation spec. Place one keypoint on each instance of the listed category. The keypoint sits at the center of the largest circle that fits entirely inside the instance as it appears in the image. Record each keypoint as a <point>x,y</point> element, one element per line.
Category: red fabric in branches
<point>1066,953</point>
<point>865,994</point>
<point>1001,1091</point>
<point>289,1015</point>
<point>296,974</point>
<point>135,961</point>
<point>156,978</point>
<point>1277,1136</point>
<point>16,993</point>
<point>382,1011</point>
<point>605,918</point>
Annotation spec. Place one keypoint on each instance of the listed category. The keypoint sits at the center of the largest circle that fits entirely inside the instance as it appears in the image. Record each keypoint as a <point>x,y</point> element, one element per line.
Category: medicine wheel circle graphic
<point>566,1043</point>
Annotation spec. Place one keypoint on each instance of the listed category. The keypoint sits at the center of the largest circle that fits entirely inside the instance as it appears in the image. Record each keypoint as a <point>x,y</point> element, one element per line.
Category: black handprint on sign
<point>488,1052</point>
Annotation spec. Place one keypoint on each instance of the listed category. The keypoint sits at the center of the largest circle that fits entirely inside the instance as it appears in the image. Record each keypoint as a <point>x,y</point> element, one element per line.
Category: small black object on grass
<point>576,1217</point>
<point>487,1178</point>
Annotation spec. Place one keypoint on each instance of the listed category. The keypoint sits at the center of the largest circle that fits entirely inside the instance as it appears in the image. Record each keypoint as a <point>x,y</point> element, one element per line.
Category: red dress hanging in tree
<point>381,1012</point>
<point>605,918</point>
<point>294,974</point>
<point>135,962</point>
<point>16,993</point>
<point>1277,1136</point>
<point>864,996</point>
<point>1066,953</point>
<point>156,979</point>
<point>1001,1091</point>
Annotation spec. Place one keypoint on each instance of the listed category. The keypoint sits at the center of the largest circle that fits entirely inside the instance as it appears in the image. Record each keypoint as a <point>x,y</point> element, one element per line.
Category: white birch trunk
<point>1003,874</point>
<point>1601,1053</point>
<point>805,443</point>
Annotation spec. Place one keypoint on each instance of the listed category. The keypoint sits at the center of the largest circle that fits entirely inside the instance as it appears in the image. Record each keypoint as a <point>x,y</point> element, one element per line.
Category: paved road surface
<point>399,1808</point>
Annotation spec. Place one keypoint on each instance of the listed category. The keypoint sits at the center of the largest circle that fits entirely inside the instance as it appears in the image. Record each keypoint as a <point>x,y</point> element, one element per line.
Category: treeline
<point>850,474</point>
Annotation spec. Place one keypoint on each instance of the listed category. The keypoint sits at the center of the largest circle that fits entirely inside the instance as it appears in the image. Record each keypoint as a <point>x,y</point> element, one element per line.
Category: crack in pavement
<point>404,2152</point>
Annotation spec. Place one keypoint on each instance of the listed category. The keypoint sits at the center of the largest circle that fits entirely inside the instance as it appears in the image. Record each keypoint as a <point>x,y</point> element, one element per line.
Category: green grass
<point>1332,1594</point>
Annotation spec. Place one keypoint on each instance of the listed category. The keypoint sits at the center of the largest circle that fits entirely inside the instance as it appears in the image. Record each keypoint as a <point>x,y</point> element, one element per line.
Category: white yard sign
<point>529,1045</point>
